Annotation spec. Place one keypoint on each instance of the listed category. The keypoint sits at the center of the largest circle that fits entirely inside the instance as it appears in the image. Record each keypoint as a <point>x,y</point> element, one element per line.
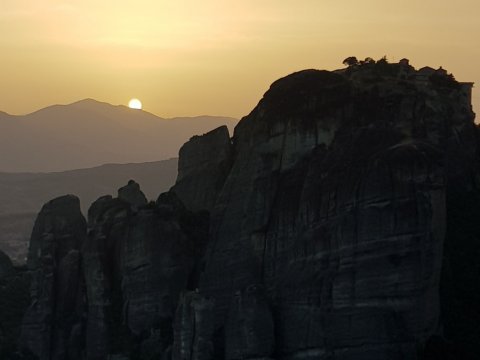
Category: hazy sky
<point>192,57</point>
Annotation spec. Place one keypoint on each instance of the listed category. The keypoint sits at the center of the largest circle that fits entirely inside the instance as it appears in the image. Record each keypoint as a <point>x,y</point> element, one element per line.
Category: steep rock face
<point>111,292</point>
<point>107,226</point>
<point>157,263</point>
<point>249,330</point>
<point>138,259</point>
<point>203,165</point>
<point>54,320</point>
<point>6,266</point>
<point>14,300</point>
<point>336,204</point>
<point>193,328</point>
<point>340,223</point>
<point>459,287</point>
<point>132,194</point>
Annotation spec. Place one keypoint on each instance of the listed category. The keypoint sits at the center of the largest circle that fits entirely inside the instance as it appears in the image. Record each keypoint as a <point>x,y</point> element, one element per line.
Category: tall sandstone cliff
<point>339,222</point>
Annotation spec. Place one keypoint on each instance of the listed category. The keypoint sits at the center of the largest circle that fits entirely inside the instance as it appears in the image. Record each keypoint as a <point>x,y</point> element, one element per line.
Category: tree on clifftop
<point>350,61</point>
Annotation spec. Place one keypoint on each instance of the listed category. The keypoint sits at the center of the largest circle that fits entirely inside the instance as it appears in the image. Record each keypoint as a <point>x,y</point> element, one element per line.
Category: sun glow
<point>135,104</point>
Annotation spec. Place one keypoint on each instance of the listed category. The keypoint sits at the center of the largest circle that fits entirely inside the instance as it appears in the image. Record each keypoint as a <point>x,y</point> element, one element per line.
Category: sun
<point>135,104</point>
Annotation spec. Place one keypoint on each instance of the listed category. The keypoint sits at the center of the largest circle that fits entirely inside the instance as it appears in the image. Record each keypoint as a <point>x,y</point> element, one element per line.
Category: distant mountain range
<point>23,194</point>
<point>89,133</point>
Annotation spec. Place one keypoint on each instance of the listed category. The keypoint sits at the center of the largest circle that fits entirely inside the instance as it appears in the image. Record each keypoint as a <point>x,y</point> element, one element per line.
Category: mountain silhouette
<point>90,133</point>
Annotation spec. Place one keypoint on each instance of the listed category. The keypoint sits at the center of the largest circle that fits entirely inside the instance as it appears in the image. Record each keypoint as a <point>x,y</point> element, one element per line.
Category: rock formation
<point>132,194</point>
<point>14,300</point>
<point>337,203</point>
<point>6,266</point>
<point>339,222</point>
<point>193,328</point>
<point>107,226</point>
<point>249,329</point>
<point>137,260</point>
<point>203,165</point>
<point>54,320</point>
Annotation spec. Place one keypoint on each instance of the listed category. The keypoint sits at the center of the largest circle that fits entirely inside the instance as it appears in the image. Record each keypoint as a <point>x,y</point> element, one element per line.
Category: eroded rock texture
<point>132,194</point>
<point>6,266</point>
<point>338,223</point>
<point>138,259</point>
<point>53,323</point>
<point>249,329</point>
<point>107,226</point>
<point>193,328</point>
<point>203,165</point>
<point>14,300</point>
<point>336,203</point>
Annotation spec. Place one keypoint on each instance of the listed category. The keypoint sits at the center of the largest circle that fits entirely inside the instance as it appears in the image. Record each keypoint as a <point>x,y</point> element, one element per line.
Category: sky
<point>216,57</point>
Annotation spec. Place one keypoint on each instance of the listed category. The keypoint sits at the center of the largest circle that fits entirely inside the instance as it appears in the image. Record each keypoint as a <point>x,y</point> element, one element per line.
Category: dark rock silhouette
<point>107,226</point>
<point>249,329</point>
<point>53,323</point>
<point>337,203</point>
<point>132,194</point>
<point>23,194</point>
<point>204,163</point>
<point>193,328</point>
<point>6,266</point>
<point>14,300</point>
<point>338,223</point>
<point>138,258</point>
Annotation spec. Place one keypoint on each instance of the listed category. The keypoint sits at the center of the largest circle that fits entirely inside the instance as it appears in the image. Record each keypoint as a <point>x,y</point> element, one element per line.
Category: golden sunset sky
<point>193,57</point>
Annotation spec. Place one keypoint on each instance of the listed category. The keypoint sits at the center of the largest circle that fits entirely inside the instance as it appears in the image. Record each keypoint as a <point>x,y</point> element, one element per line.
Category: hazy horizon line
<point>121,106</point>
